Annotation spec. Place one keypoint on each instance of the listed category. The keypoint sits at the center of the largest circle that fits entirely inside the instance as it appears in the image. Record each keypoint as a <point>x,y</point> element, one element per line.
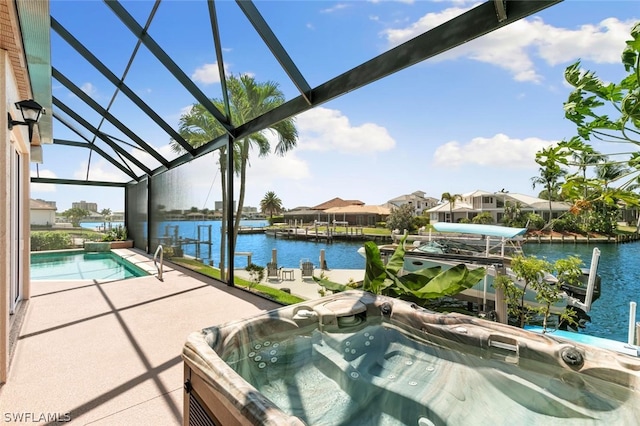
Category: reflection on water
<point>339,255</point>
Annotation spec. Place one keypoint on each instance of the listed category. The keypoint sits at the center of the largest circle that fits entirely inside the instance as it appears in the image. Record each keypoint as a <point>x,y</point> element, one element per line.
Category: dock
<point>328,234</point>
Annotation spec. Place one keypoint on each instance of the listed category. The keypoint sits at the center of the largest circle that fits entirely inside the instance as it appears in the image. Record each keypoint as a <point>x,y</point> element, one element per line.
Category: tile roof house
<point>337,202</point>
<point>473,203</point>
<point>353,212</point>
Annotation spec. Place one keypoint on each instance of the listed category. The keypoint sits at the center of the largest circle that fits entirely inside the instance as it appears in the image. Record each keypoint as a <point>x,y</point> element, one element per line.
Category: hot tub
<point>360,359</point>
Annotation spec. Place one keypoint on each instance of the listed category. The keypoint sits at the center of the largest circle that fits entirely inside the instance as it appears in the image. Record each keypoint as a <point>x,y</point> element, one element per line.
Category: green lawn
<point>269,292</point>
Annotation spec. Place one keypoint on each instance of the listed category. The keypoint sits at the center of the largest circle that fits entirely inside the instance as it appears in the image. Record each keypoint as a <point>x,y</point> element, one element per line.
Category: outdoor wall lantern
<point>31,111</point>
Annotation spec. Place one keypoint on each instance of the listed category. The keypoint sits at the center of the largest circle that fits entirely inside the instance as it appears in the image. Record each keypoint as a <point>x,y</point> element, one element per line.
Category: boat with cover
<point>492,247</point>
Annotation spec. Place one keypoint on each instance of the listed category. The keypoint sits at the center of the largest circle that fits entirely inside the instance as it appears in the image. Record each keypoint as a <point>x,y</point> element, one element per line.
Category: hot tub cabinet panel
<point>359,359</point>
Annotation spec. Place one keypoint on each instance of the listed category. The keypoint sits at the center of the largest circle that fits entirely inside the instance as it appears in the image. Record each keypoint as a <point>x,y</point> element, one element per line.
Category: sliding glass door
<point>15,209</point>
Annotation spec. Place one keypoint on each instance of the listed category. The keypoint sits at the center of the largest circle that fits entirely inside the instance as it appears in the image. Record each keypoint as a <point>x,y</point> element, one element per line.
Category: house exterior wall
<point>43,217</point>
<point>14,220</point>
<point>488,203</point>
<point>418,201</point>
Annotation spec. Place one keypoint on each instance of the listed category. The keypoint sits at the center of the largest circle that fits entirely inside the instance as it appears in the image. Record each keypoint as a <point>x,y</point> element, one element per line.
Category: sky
<point>469,119</point>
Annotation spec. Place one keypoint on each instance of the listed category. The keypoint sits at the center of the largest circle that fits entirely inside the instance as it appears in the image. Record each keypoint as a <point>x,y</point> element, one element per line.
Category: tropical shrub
<point>48,240</point>
<point>401,218</point>
<point>421,285</point>
<point>566,223</point>
<point>118,233</point>
<point>256,273</point>
<point>483,218</point>
<point>532,271</point>
<point>536,222</point>
<point>419,222</point>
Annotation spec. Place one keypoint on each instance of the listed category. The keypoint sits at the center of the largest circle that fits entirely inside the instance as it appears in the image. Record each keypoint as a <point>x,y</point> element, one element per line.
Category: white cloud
<point>515,46</point>
<point>335,8</point>
<point>89,89</point>
<point>207,74</point>
<point>265,170</point>
<point>600,43</point>
<point>323,129</point>
<point>43,187</point>
<point>100,170</point>
<point>497,151</point>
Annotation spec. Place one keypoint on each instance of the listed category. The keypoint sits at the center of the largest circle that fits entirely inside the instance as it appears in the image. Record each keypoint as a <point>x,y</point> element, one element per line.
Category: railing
<point>161,267</point>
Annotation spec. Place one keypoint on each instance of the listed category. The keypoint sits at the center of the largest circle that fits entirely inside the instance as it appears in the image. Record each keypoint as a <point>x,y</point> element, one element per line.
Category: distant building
<point>337,202</point>
<point>476,202</point>
<point>51,203</point>
<point>417,199</point>
<point>90,207</point>
<point>340,212</point>
<point>218,205</point>
<point>42,213</point>
<point>357,215</point>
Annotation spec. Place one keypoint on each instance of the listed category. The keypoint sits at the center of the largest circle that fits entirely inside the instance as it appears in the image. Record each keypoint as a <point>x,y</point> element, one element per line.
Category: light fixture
<point>31,111</point>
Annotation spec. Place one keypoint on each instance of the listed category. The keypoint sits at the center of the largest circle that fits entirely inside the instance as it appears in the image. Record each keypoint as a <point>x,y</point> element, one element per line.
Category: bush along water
<point>43,240</point>
<point>421,285</point>
<point>117,233</point>
<point>532,272</point>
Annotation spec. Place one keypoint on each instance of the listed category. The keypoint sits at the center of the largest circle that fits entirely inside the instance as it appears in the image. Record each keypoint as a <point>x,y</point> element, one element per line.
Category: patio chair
<point>307,269</point>
<point>273,272</point>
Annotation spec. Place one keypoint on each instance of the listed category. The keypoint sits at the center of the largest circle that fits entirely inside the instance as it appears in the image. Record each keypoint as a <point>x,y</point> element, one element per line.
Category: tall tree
<point>271,204</point>
<point>590,106</point>
<point>549,159</point>
<point>75,215</point>
<point>451,199</point>
<point>247,100</point>
<point>250,99</point>
<point>106,216</point>
<point>582,156</point>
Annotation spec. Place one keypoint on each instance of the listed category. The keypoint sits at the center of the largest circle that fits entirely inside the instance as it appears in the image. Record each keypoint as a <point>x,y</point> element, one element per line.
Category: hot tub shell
<point>217,394</point>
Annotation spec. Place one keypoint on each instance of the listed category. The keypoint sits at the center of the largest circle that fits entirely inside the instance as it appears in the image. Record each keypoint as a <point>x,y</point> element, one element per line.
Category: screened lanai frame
<point>139,190</point>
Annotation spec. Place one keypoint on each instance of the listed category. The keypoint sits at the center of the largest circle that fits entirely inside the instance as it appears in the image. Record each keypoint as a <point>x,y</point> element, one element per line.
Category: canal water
<point>619,266</point>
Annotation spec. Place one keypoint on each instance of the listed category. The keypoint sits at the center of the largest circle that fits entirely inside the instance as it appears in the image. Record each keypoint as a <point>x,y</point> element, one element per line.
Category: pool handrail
<point>161,267</point>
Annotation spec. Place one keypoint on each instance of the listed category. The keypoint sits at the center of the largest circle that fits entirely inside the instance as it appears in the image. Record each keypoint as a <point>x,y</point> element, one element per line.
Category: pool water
<point>80,265</point>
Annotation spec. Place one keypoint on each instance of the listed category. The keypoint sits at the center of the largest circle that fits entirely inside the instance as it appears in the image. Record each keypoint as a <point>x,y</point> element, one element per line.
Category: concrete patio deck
<point>109,353</point>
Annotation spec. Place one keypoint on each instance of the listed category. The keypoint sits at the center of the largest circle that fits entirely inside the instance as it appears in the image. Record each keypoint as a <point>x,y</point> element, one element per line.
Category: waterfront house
<point>356,215</point>
<point>417,199</point>
<point>42,213</point>
<point>317,213</point>
<point>473,203</point>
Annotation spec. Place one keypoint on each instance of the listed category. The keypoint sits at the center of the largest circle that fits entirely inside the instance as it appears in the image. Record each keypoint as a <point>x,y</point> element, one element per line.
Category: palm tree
<point>106,214</point>
<point>583,157</point>
<point>451,199</point>
<point>250,99</point>
<point>271,204</point>
<point>549,160</point>
<point>247,100</point>
<point>608,172</point>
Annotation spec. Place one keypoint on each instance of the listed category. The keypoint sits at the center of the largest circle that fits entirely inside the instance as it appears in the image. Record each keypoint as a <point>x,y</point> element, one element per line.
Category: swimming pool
<point>81,265</point>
